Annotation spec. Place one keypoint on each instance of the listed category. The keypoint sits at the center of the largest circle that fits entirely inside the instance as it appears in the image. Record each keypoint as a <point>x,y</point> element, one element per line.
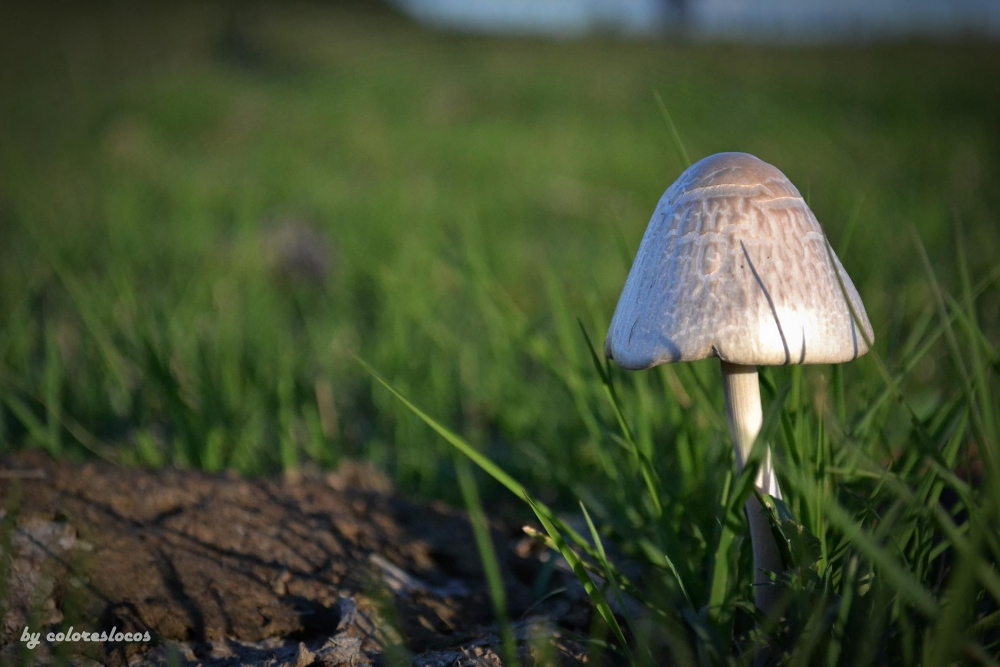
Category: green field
<point>205,216</point>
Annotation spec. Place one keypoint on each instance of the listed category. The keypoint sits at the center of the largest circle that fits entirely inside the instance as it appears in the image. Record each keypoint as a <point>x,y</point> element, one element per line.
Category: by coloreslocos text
<point>32,639</point>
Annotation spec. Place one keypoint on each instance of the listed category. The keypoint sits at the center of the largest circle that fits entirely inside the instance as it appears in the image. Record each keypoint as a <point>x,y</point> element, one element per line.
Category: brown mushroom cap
<point>735,265</point>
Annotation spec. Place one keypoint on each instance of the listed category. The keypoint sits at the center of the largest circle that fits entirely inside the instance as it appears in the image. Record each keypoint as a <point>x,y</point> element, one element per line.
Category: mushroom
<point>734,265</point>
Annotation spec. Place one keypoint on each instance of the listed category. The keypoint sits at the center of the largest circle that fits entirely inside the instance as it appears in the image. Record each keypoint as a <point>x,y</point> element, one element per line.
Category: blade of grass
<point>642,461</point>
<point>86,439</point>
<point>609,575</point>
<point>892,382</point>
<point>487,555</point>
<point>53,384</point>
<point>852,224</point>
<point>987,407</point>
<point>978,420</point>
<point>904,582</point>
<point>627,586</point>
<point>725,559</point>
<point>468,450</point>
<point>673,129</point>
<point>600,603</point>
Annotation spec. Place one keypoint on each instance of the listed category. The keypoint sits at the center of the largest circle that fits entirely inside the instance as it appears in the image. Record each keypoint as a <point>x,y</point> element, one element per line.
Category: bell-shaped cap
<point>734,265</point>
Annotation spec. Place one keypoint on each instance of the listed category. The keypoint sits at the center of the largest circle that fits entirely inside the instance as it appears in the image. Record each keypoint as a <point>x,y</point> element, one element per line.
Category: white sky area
<point>545,17</point>
<point>752,20</point>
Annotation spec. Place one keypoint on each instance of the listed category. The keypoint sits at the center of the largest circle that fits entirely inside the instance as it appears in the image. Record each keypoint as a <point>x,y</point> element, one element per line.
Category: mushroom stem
<point>743,409</point>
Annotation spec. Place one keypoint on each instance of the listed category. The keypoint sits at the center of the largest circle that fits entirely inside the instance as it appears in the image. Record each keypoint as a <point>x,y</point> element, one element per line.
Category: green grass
<point>480,201</point>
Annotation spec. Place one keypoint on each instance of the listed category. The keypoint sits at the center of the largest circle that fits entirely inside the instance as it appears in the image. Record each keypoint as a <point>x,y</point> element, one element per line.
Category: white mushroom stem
<point>745,418</point>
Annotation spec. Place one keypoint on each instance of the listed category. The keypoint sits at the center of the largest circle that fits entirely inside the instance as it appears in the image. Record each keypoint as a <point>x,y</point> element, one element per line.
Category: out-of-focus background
<point>206,209</point>
<point>792,21</point>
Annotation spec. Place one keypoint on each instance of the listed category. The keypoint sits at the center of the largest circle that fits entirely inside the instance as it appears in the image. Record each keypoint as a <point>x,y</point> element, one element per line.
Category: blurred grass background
<point>206,208</point>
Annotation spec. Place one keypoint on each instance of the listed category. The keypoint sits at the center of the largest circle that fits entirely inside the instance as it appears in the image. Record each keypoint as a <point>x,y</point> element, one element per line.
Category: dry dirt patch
<point>222,570</point>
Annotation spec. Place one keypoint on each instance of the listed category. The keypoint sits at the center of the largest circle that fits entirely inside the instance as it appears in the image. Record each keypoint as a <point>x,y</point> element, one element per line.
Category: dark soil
<point>222,570</point>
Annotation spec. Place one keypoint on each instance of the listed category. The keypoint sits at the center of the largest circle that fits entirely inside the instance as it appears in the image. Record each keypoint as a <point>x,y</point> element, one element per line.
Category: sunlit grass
<point>879,567</point>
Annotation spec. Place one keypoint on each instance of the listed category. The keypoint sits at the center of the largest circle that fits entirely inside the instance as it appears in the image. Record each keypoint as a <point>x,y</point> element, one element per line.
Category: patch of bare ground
<point>315,570</point>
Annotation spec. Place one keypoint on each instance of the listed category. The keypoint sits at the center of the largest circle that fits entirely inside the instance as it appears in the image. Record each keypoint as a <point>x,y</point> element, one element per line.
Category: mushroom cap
<point>734,265</point>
